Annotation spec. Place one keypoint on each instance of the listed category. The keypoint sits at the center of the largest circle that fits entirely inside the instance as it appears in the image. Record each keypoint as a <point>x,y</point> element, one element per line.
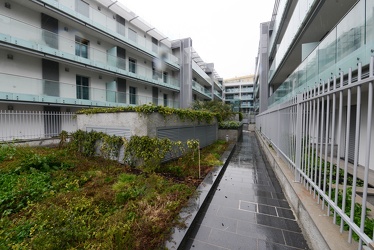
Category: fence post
<point>299,124</point>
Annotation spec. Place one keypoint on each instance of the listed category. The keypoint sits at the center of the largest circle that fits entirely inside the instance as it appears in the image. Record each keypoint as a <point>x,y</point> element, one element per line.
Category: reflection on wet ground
<point>248,209</point>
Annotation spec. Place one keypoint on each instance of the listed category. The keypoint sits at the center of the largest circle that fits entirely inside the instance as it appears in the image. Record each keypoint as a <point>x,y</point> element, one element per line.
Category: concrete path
<point>248,209</point>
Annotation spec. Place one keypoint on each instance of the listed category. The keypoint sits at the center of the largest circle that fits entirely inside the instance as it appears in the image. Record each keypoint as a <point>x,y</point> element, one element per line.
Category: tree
<point>224,110</point>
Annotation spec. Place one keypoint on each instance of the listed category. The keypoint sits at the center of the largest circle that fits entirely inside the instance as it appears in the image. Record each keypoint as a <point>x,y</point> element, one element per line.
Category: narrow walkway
<point>248,209</point>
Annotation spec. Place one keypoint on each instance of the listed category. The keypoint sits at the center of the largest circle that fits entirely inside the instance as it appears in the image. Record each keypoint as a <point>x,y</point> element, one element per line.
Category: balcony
<point>349,43</point>
<point>199,88</point>
<point>227,90</point>
<point>108,24</point>
<point>29,37</point>
<point>25,89</point>
<point>218,94</point>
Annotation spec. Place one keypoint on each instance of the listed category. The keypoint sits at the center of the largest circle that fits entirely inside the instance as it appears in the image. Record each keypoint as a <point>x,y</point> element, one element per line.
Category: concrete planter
<point>232,135</point>
<point>132,123</point>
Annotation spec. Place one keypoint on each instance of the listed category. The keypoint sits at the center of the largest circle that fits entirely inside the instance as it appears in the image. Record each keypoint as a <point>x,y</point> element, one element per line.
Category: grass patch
<point>55,198</point>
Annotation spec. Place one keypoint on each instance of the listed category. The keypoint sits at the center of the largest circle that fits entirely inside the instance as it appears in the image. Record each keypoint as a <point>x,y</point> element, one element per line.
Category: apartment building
<point>69,54</point>
<point>238,91</point>
<point>313,91</point>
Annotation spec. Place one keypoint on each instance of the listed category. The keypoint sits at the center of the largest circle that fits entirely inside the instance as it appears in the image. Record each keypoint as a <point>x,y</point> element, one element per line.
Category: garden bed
<point>55,198</point>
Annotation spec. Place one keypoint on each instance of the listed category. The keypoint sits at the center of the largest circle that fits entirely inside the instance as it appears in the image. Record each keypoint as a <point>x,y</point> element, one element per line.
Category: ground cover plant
<point>323,168</point>
<point>63,198</point>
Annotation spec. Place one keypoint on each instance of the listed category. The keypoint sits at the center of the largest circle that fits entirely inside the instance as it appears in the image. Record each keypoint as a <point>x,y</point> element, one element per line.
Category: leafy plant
<point>7,151</point>
<point>223,110</point>
<point>183,114</point>
<point>229,125</point>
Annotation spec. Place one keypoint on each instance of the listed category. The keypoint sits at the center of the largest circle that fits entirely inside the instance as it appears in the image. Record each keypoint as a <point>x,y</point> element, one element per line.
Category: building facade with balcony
<point>238,91</point>
<point>314,93</point>
<point>68,54</point>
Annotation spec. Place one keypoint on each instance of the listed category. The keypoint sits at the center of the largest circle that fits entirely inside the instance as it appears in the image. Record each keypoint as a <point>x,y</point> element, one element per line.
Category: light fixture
<point>98,7</point>
<point>66,69</point>
<point>10,56</point>
<point>100,77</point>
<point>10,107</point>
<point>7,5</point>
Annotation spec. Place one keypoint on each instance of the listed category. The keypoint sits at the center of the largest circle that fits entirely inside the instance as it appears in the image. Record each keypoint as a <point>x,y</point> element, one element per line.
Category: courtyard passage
<point>248,209</point>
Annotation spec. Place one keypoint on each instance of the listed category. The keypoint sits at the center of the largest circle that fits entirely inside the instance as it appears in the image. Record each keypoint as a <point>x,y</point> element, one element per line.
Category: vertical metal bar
<point>332,142</point>
<point>340,118</point>
<point>303,133</point>
<point>357,136</point>
<point>298,137</point>
<point>347,128</point>
<point>367,146</point>
<point>321,142</point>
<point>315,153</point>
<point>310,143</point>
<point>326,140</point>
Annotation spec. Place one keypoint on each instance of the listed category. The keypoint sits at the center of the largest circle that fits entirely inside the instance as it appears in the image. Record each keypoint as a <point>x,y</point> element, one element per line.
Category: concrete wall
<point>232,135</point>
<point>138,123</point>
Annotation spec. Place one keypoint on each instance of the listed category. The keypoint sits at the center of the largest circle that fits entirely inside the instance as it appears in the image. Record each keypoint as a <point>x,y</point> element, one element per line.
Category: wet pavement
<point>248,209</point>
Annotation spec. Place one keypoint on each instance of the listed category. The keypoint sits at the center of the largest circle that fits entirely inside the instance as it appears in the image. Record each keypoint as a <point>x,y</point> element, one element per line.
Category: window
<point>165,100</point>
<point>121,25</point>
<point>165,77</point>
<point>50,31</point>
<point>82,8</point>
<point>132,65</point>
<point>154,45</point>
<point>132,35</point>
<point>155,73</point>
<point>121,58</point>
<point>132,92</point>
<point>81,47</point>
<point>82,87</point>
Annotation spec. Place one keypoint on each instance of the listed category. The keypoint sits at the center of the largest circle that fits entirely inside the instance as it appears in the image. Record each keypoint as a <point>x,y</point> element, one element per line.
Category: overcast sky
<point>225,33</point>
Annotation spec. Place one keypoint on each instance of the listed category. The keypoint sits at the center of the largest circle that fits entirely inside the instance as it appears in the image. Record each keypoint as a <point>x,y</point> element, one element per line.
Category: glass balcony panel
<point>39,90</point>
<point>327,56</point>
<point>73,50</point>
<point>312,68</point>
<point>109,24</point>
<point>369,31</point>
<point>350,38</point>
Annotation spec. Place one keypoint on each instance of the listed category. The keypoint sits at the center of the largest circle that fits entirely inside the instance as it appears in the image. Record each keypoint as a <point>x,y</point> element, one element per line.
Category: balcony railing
<point>348,45</point>
<point>108,24</point>
<point>218,94</point>
<point>196,86</point>
<point>19,88</point>
<point>27,36</point>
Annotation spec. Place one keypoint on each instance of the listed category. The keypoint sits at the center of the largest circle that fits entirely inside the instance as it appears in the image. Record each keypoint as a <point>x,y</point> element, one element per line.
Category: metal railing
<point>29,125</point>
<point>326,134</point>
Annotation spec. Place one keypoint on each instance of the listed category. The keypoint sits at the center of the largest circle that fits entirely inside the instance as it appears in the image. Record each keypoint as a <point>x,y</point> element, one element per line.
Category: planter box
<point>232,135</point>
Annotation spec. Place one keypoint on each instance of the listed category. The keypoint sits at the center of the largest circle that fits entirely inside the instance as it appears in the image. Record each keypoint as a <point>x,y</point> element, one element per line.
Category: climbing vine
<point>146,109</point>
<point>147,153</point>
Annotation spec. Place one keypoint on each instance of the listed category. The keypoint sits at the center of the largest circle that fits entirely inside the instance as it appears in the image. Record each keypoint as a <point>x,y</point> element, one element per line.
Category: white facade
<point>238,91</point>
<point>72,53</point>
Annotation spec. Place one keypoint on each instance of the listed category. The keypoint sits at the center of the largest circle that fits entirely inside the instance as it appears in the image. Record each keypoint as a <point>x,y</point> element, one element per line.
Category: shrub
<point>229,125</point>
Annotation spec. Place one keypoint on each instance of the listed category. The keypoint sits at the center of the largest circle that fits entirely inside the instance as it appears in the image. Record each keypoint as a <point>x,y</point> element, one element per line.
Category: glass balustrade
<point>297,19</point>
<point>201,72</point>
<point>27,36</point>
<point>199,88</point>
<point>218,93</point>
<point>109,25</point>
<point>19,88</point>
<point>349,43</point>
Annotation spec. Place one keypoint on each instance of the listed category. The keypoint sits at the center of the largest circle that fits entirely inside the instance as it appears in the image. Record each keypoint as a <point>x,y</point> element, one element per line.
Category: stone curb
<point>197,203</point>
<point>317,227</point>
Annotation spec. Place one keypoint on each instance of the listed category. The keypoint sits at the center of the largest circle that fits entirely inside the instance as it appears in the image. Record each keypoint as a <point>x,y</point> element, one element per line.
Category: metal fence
<point>325,134</point>
<point>28,125</point>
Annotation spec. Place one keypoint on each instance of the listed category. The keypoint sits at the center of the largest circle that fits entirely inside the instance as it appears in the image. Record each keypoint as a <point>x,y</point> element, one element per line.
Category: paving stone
<point>248,209</point>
